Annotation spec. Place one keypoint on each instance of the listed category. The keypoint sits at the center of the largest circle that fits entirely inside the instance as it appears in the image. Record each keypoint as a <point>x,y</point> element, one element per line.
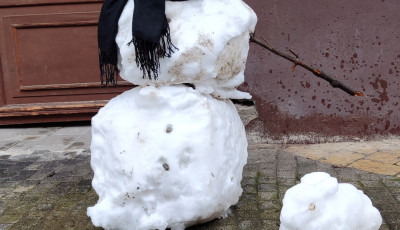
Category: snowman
<point>170,152</point>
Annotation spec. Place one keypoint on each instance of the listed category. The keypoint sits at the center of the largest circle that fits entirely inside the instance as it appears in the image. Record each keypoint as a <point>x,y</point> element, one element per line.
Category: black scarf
<point>150,36</point>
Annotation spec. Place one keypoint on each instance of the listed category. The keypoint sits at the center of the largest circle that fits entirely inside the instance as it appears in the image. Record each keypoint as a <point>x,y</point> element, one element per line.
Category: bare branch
<point>335,83</point>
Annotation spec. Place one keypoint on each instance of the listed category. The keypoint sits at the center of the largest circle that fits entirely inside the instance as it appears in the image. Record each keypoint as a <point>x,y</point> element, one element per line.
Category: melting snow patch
<point>320,202</point>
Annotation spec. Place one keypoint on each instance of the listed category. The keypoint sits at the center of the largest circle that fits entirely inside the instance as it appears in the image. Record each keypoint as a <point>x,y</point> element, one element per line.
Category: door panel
<point>49,60</point>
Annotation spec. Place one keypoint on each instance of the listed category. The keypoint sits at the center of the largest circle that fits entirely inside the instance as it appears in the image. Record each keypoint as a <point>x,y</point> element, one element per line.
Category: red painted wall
<point>358,41</point>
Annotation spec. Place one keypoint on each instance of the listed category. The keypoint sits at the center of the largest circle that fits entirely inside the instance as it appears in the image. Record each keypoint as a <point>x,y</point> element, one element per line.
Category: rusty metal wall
<point>358,41</point>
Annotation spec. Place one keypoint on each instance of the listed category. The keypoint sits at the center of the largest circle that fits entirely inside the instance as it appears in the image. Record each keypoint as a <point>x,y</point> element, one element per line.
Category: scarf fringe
<point>148,53</point>
<point>108,70</point>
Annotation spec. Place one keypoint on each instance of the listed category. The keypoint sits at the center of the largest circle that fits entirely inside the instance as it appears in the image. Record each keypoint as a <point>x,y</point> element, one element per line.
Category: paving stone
<point>267,178</point>
<point>5,145</point>
<point>268,196</point>
<point>376,167</point>
<point>247,174</point>
<point>19,166</point>
<point>7,132</point>
<point>23,175</point>
<point>249,197</point>
<point>62,188</point>
<point>384,226</point>
<point>83,186</point>
<point>267,188</point>
<point>54,143</point>
<point>27,224</point>
<point>249,224</point>
<point>25,186</point>
<point>4,157</point>
<point>82,142</point>
<point>387,157</point>
<point>71,131</point>
<point>392,182</point>
<point>347,174</point>
<point>52,165</point>
<point>270,214</point>
<point>342,159</point>
<point>39,130</point>
<point>246,205</point>
<point>10,219</point>
<point>309,151</point>
<point>270,205</point>
<point>249,189</point>
<point>4,226</point>
<point>270,225</point>
<point>392,219</point>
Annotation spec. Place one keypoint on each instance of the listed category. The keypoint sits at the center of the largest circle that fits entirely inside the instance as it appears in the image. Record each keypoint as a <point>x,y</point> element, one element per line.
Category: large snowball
<point>165,157</point>
<point>319,202</point>
<point>213,41</point>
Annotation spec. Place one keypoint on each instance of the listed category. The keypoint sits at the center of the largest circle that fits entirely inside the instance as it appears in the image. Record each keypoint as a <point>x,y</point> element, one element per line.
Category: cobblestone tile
<point>62,188</point>
<point>27,224</point>
<point>22,175</point>
<point>83,186</point>
<point>392,219</point>
<point>347,174</point>
<point>270,225</point>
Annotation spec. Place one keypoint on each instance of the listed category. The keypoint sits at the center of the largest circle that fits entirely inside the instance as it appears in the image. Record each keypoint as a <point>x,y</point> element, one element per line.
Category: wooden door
<point>49,61</point>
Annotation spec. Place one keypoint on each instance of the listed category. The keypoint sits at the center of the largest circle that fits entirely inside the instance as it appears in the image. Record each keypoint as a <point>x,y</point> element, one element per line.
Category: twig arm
<point>335,83</point>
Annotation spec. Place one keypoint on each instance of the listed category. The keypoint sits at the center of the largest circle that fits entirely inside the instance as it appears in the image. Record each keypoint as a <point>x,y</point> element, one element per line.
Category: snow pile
<point>213,41</point>
<point>319,202</point>
<point>165,157</point>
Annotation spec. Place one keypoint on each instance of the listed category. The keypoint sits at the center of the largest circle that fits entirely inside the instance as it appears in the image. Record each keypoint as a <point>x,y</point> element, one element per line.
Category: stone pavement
<point>381,157</point>
<point>45,178</point>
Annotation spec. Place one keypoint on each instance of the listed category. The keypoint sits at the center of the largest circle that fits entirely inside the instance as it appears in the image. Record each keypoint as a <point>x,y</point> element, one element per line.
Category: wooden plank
<point>9,110</point>
<point>69,86</point>
<point>53,118</point>
<point>2,91</point>
<point>16,3</point>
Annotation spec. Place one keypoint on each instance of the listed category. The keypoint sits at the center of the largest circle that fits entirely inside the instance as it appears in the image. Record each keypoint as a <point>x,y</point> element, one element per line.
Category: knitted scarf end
<point>108,70</point>
<point>148,53</point>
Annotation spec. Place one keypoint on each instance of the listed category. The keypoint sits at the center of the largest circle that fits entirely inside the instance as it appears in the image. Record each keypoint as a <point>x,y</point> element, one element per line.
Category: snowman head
<point>212,45</point>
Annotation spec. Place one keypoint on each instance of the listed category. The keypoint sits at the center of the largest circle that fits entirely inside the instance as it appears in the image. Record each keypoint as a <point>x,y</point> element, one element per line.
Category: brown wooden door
<point>49,61</point>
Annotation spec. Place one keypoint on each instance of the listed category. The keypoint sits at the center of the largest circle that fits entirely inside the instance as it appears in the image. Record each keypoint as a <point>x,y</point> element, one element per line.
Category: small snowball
<point>320,202</point>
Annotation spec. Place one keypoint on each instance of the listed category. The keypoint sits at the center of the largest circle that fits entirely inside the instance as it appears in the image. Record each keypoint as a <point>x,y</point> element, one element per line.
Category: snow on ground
<point>319,202</point>
<point>165,157</point>
<point>213,41</point>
